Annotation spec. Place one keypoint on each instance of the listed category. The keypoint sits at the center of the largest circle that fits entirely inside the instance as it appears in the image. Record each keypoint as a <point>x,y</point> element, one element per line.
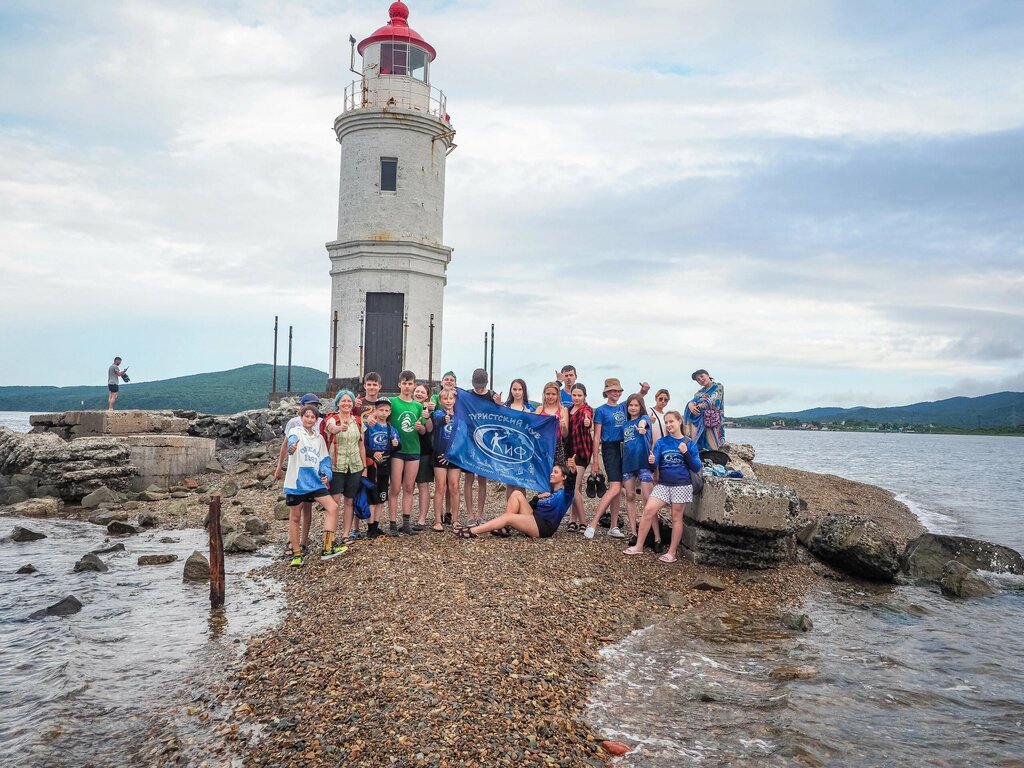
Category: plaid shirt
<point>581,439</point>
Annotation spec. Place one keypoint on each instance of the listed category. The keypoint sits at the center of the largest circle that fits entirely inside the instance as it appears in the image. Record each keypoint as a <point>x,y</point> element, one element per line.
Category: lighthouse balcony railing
<point>396,91</point>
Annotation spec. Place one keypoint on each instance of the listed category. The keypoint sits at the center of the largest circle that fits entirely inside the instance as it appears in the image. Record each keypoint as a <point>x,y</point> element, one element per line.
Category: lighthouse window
<point>403,59</point>
<point>389,174</point>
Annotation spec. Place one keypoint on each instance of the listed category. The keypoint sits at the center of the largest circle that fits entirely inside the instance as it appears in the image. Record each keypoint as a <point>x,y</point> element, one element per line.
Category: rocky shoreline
<point>433,651</point>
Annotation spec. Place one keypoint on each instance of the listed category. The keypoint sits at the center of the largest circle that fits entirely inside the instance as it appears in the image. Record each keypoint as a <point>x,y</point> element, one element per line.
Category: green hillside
<point>219,392</point>
<point>998,411</point>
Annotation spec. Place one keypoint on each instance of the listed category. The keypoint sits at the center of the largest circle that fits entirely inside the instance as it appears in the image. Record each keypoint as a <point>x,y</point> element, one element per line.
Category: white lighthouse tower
<point>388,264</point>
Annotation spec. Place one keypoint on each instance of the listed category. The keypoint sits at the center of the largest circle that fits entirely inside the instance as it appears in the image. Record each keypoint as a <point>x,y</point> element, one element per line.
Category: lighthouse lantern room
<point>388,264</point>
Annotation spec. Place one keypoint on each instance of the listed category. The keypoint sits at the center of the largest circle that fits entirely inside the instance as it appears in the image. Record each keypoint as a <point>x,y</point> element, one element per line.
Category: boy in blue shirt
<point>381,441</point>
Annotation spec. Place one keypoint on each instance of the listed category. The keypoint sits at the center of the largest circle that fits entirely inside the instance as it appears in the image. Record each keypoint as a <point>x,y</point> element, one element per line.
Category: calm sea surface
<point>902,676</point>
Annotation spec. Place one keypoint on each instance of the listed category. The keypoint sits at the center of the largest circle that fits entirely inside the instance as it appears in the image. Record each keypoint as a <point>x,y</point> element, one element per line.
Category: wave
<point>932,519</point>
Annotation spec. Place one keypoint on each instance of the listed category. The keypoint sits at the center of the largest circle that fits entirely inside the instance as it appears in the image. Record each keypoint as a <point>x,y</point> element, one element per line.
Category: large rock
<point>229,489</point>
<point>74,469</point>
<point>27,569</point>
<point>101,495</point>
<point>107,516</point>
<point>91,562</point>
<point>926,556</point>
<point>741,457</point>
<point>65,607</point>
<point>957,580</point>
<point>255,526</point>
<point>44,507</point>
<point>282,511</point>
<point>239,542</point>
<point>117,528</point>
<point>856,545</point>
<point>21,535</point>
<point>746,507</point>
<point>197,568</point>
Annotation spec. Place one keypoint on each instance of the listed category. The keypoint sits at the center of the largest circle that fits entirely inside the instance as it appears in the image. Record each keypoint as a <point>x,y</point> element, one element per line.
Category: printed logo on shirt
<point>405,423</point>
<point>629,433</point>
<point>671,458</point>
<point>503,443</point>
<point>620,418</point>
<point>310,454</point>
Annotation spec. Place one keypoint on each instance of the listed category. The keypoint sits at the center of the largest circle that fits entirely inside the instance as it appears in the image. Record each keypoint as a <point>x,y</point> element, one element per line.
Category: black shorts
<point>303,498</point>
<point>440,462</point>
<point>545,528</point>
<point>425,473</point>
<point>346,483</point>
<point>611,457</point>
<point>112,387</point>
<point>379,475</point>
<point>406,456</point>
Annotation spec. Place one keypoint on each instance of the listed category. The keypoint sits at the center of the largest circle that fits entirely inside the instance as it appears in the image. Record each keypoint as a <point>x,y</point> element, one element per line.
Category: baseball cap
<point>309,399</point>
<point>382,401</point>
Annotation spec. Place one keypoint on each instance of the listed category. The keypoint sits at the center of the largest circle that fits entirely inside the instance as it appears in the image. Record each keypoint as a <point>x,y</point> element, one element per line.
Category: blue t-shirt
<point>566,398</point>
<point>378,437</point>
<point>636,448</point>
<point>673,466</point>
<point>443,433</point>
<point>551,509</point>
<point>612,419</point>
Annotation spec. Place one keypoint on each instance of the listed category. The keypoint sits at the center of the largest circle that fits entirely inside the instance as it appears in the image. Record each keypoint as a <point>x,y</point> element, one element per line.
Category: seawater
<point>81,689</point>
<point>16,421</point>
<point>903,676</point>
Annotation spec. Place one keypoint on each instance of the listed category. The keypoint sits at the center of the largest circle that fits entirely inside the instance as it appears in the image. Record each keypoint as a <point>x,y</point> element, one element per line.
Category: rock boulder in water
<point>157,559</point>
<point>91,562</point>
<point>239,542</point>
<point>47,506</point>
<point>65,607</point>
<point>29,568</point>
<point>107,550</point>
<point>926,556</point>
<point>958,580</point>
<point>148,520</point>
<point>855,545</point>
<point>100,496</point>
<point>197,568</point>
<point>107,516</point>
<point>20,534</point>
<point>117,528</point>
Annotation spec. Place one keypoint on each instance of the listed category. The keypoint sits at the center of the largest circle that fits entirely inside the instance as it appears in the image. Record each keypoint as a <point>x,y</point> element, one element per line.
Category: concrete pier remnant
<point>72,424</point>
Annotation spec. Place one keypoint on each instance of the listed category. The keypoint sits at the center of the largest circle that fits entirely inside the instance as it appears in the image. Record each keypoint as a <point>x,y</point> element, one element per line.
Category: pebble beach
<point>435,651</point>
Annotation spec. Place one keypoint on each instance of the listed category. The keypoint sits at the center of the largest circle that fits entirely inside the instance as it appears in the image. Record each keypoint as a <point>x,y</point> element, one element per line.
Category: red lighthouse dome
<point>398,31</point>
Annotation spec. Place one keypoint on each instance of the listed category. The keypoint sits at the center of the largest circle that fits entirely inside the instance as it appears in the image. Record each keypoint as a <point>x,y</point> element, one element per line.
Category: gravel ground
<point>434,651</point>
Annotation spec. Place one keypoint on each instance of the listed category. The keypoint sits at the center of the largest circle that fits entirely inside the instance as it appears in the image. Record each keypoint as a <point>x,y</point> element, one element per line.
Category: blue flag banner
<point>513,447</point>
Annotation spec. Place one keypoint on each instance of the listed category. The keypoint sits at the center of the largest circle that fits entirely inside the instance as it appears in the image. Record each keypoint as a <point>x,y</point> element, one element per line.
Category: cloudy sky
<point>820,202</point>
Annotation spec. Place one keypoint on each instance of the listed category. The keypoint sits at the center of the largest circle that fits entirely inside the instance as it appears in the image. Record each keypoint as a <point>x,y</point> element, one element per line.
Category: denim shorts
<point>611,456</point>
<point>643,475</point>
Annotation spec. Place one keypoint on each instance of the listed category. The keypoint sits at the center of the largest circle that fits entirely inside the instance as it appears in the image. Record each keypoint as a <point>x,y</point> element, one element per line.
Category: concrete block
<point>72,424</point>
<point>745,506</point>
<point>705,546</point>
<point>165,459</point>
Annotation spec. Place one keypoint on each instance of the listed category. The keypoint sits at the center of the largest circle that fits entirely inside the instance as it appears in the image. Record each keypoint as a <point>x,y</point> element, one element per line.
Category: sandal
<point>438,528</point>
<point>502,533</point>
<point>666,558</point>
<point>632,551</point>
<point>465,533</point>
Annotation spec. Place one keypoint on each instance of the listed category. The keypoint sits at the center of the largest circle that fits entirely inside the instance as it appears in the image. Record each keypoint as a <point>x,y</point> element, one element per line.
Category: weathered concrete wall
<point>72,424</point>
<point>166,459</point>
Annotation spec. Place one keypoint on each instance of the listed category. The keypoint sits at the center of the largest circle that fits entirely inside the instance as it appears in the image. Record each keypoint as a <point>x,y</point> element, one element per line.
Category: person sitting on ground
<point>538,519</point>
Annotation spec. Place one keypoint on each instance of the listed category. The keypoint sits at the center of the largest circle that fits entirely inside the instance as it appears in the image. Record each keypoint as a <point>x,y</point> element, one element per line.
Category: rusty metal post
<point>216,554</point>
<point>273,384</point>
<point>430,355</point>
<point>334,348</point>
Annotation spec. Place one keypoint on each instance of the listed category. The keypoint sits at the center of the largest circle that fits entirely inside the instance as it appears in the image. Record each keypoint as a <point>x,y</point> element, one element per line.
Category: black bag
<point>697,481</point>
<point>124,378</point>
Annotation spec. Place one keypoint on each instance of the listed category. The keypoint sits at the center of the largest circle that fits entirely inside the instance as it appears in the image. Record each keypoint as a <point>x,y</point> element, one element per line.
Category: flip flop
<point>631,551</point>
<point>438,528</point>
<point>666,559</point>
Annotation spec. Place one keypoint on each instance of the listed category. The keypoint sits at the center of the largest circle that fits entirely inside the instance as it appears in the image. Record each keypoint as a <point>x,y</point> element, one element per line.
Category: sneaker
<point>615,533</point>
<point>333,552</point>
<point>374,533</point>
<point>589,533</point>
<point>391,533</point>
<point>297,561</point>
<point>408,530</point>
<point>591,487</point>
<point>417,527</point>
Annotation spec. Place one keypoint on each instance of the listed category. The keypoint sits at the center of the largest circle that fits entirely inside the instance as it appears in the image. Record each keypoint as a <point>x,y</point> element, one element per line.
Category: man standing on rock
<point>114,374</point>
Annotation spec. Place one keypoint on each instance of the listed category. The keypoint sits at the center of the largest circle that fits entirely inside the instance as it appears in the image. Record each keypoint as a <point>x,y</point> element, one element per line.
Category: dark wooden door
<point>383,344</point>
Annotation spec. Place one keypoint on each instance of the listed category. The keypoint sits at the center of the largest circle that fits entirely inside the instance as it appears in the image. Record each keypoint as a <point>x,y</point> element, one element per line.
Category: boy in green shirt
<point>407,418</point>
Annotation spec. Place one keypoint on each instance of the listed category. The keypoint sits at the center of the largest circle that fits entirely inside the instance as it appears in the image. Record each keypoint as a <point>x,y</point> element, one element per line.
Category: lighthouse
<point>389,262</point>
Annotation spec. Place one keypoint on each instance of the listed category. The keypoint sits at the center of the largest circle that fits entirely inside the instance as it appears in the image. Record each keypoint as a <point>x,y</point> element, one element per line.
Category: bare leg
<point>467,492</point>
<point>423,489</point>
<point>397,470</point>
<point>452,480</point>
<point>578,512</point>
<point>330,513</point>
<point>294,538</point>
<point>481,496</point>
<point>631,504</point>
<point>409,485</point>
<point>518,514</point>
<point>307,522</point>
<point>648,519</point>
<point>677,528</point>
<point>347,518</point>
<point>645,491</point>
<point>440,496</point>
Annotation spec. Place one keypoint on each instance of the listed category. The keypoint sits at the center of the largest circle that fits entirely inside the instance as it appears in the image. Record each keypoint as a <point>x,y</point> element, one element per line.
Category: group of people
<point>393,446</point>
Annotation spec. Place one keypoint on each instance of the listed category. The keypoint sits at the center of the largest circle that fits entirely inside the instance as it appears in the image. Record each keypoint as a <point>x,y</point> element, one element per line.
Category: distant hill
<point>219,392</point>
<point>998,410</point>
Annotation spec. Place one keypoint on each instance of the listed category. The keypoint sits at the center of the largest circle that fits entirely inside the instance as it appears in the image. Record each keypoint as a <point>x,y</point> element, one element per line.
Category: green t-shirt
<point>403,418</point>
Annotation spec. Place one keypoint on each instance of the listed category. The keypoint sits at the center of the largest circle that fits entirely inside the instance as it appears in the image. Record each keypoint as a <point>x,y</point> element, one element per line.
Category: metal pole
<point>216,554</point>
<point>430,354</point>
<point>492,355</point>
<point>334,348</point>
<point>361,342</point>
<point>289,358</point>
<point>485,350</point>
<point>405,337</point>
<point>273,386</point>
